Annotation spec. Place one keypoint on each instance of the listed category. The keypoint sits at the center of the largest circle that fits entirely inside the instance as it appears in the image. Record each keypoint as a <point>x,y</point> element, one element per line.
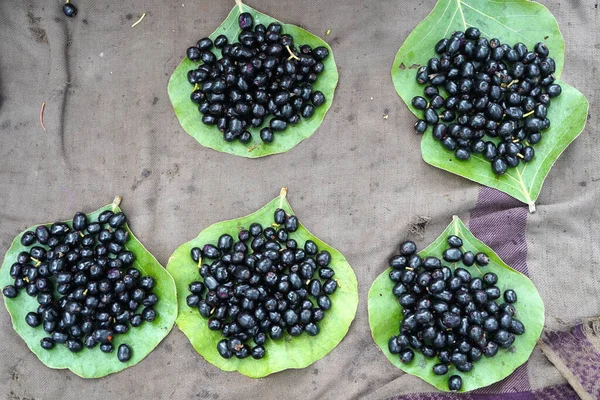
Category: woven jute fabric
<point>359,183</point>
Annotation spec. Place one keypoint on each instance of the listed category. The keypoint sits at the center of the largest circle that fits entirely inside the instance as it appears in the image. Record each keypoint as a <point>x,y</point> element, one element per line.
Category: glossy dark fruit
<point>554,90</point>
<point>291,223</point>
<point>196,287</point>
<point>468,258</point>
<point>516,327</point>
<point>124,352</point>
<point>462,154</point>
<point>499,166</point>
<point>266,135</point>
<point>510,296</point>
<point>258,352</point>
<point>193,53</point>
<point>69,10</point>
<point>279,216</point>
<point>420,126</point>
<point>106,348</point>
<point>204,44</point>
<point>10,291</point>
<point>408,248</point>
<point>28,238</point>
<point>42,234</point>
<point>33,319</point>
<point>220,41</point>
<point>452,254</point>
<point>431,116</point>
<point>454,383</point>
<point>393,345</point>
<point>440,369</point>
<point>47,343</point>
<point>406,356</point>
<point>419,103</point>
<point>74,345</point>
<point>117,220</point>
<point>454,241</point>
<point>482,259</point>
<point>245,21</point>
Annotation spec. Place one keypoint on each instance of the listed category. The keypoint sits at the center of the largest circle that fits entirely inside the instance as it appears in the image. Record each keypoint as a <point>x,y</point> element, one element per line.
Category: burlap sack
<point>358,183</point>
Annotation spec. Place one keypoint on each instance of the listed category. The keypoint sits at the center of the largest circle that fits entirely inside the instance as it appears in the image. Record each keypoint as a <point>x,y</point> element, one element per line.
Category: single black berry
<point>124,352</point>
<point>70,10</point>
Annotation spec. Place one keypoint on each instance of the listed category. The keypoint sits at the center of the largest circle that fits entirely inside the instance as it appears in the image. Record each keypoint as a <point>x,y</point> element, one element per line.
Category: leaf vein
<point>432,29</point>
<point>451,21</point>
<point>493,19</point>
<point>462,14</point>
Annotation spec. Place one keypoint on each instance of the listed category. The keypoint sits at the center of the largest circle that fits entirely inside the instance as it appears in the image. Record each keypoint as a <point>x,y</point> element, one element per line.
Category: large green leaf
<point>297,352</point>
<point>511,21</point>
<point>209,136</point>
<point>94,363</point>
<point>385,317</point>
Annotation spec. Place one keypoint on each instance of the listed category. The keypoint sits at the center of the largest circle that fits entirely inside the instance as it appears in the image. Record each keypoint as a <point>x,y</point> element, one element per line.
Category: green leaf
<point>297,352</point>
<point>385,317</point>
<point>511,21</point>
<point>94,363</point>
<point>209,136</point>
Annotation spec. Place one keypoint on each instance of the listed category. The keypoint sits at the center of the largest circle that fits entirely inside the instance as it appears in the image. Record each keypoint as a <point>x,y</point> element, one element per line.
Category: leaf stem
<point>239,4</point>
<point>282,195</point>
<point>292,55</point>
<point>139,20</point>
<point>528,114</point>
<point>42,115</point>
<point>116,202</point>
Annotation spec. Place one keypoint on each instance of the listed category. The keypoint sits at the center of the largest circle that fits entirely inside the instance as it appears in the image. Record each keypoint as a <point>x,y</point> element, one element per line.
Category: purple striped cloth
<point>500,222</point>
<point>576,354</point>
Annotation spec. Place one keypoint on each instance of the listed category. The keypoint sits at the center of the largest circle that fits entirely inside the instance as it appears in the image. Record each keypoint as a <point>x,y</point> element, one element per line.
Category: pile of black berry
<point>261,76</point>
<point>486,97</point>
<point>84,282</point>
<point>261,286</point>
<point>449,314</point>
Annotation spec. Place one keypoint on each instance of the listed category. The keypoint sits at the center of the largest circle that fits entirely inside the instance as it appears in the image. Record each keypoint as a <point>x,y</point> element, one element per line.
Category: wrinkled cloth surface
<point>359,183</point>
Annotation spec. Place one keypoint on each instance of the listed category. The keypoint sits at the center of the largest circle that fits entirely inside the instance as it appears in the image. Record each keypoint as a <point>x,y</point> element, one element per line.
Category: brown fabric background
<point>358,183</point>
